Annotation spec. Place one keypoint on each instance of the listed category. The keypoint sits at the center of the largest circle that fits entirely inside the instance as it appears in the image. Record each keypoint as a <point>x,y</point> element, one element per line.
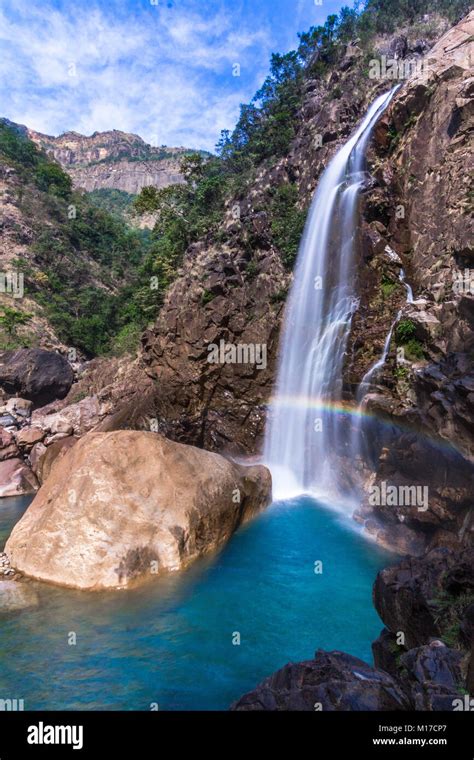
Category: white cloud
<point>163,73</point>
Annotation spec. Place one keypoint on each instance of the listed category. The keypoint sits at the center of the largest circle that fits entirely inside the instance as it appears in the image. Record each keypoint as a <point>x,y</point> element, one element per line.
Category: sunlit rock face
<point>112,159</point>
<point>126,505</point>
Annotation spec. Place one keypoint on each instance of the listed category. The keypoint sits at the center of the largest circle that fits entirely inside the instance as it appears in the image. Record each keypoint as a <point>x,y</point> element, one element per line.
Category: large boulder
<point>332,681</point>
<point>35,374</point>
<point>127,504</point>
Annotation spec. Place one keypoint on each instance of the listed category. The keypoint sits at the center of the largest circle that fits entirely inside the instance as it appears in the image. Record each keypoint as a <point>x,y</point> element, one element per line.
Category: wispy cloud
<point>160,68</point>
<point>165,73</point>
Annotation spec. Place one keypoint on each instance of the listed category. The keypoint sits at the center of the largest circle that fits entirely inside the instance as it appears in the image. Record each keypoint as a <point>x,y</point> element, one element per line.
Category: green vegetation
<point>103,305</point>
<point>287,222</point>
<point>405,336</point>
<point>116,202</point>
<point>11,319</point>
<point>279,296</point>
<point>81,254</point>
<point>405,330</point>
<point>450,611</point>
<point>388,286</point>
<point>207,297</point>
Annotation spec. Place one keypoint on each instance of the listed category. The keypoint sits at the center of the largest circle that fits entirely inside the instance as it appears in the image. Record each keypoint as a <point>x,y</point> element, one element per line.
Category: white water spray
<point>302,432</point>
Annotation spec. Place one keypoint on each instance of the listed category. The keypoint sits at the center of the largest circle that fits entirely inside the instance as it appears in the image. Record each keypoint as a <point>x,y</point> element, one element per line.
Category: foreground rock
<point>34,374</point>
<point>332,681</point>
<point>123,505</point>
<point>426,597</point>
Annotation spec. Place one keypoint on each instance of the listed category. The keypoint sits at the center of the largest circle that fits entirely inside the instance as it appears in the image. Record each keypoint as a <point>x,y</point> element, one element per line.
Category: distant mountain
<point>112,159</point>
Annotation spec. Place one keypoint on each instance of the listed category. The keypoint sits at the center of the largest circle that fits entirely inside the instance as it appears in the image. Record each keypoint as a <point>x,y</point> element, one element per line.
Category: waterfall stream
<point>372,372</point>
<point>302,429</point>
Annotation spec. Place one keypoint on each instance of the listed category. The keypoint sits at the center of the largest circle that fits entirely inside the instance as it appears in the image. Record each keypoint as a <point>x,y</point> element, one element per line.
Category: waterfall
<point>372,372</point>
<point>302,429</point>
<point>361,429</point>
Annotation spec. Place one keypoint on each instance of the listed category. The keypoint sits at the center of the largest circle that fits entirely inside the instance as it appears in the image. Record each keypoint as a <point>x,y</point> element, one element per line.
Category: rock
<point>36,453</point>
<point>19,406</point>
<point>7,420</point>
<point>126,504</point>
<point>16,478</point>
<point>412,597</point>
<point>398,47</point>
<point>27,437</point>
<point>8,447</point>
<point>16,596</point>
<point>335,680</point>
<point>79,417</point>
<point>387,653</point>
<point>46,457</point>
<point>37,375</point>
<point>54,438</point>
<point>467,625</point>
<point>432,676</point>
<point>60,425</point>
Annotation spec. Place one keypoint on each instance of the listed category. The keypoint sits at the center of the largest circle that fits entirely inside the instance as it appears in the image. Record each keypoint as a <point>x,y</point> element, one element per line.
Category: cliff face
<point>112,160</point>
<point>431,241</point>
<point>419,210</point>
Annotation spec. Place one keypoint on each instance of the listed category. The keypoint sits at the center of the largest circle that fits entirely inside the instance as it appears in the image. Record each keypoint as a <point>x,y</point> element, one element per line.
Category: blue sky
<point>160,68</point>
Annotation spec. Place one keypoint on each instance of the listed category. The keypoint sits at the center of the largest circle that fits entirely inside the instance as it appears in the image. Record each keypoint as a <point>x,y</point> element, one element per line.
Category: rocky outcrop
<point>122,506</point>
<point>423,658</point>
<point>418,210</point>
<point>112,159</point>
<point>34,374</point>
<point>425,597</point>
<point>332,681</point>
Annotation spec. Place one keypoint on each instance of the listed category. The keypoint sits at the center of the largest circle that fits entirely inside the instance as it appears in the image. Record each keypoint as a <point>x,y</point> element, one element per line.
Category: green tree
<point>11,319</point>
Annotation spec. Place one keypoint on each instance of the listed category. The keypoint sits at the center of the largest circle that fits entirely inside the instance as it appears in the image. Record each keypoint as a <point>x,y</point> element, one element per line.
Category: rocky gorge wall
<point>112,159</point>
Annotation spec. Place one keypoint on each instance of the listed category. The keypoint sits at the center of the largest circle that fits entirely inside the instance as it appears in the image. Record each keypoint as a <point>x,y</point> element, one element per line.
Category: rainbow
<point>346,409</point>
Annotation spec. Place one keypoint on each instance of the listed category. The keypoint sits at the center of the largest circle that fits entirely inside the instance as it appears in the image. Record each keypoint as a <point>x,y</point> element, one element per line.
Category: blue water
<point>170,641</point>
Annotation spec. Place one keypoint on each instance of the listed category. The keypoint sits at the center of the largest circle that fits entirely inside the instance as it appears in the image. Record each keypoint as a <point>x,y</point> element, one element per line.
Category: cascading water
<point>372,372</point>
<point>361,428</point>
<point>302,432</point>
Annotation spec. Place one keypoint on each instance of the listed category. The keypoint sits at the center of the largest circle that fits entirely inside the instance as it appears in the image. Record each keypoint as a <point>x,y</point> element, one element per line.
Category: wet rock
<point>387,653</point>
<point>432,676</point>
<point>7,420</point>
<point>418,596</point>
<point>332,681</point>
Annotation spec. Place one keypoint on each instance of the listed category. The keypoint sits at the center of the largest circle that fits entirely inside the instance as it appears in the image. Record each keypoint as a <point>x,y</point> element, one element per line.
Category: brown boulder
<point>124,504</point>
<point>44,460</point>
<point>27,437</point>
<point>8,447</point>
